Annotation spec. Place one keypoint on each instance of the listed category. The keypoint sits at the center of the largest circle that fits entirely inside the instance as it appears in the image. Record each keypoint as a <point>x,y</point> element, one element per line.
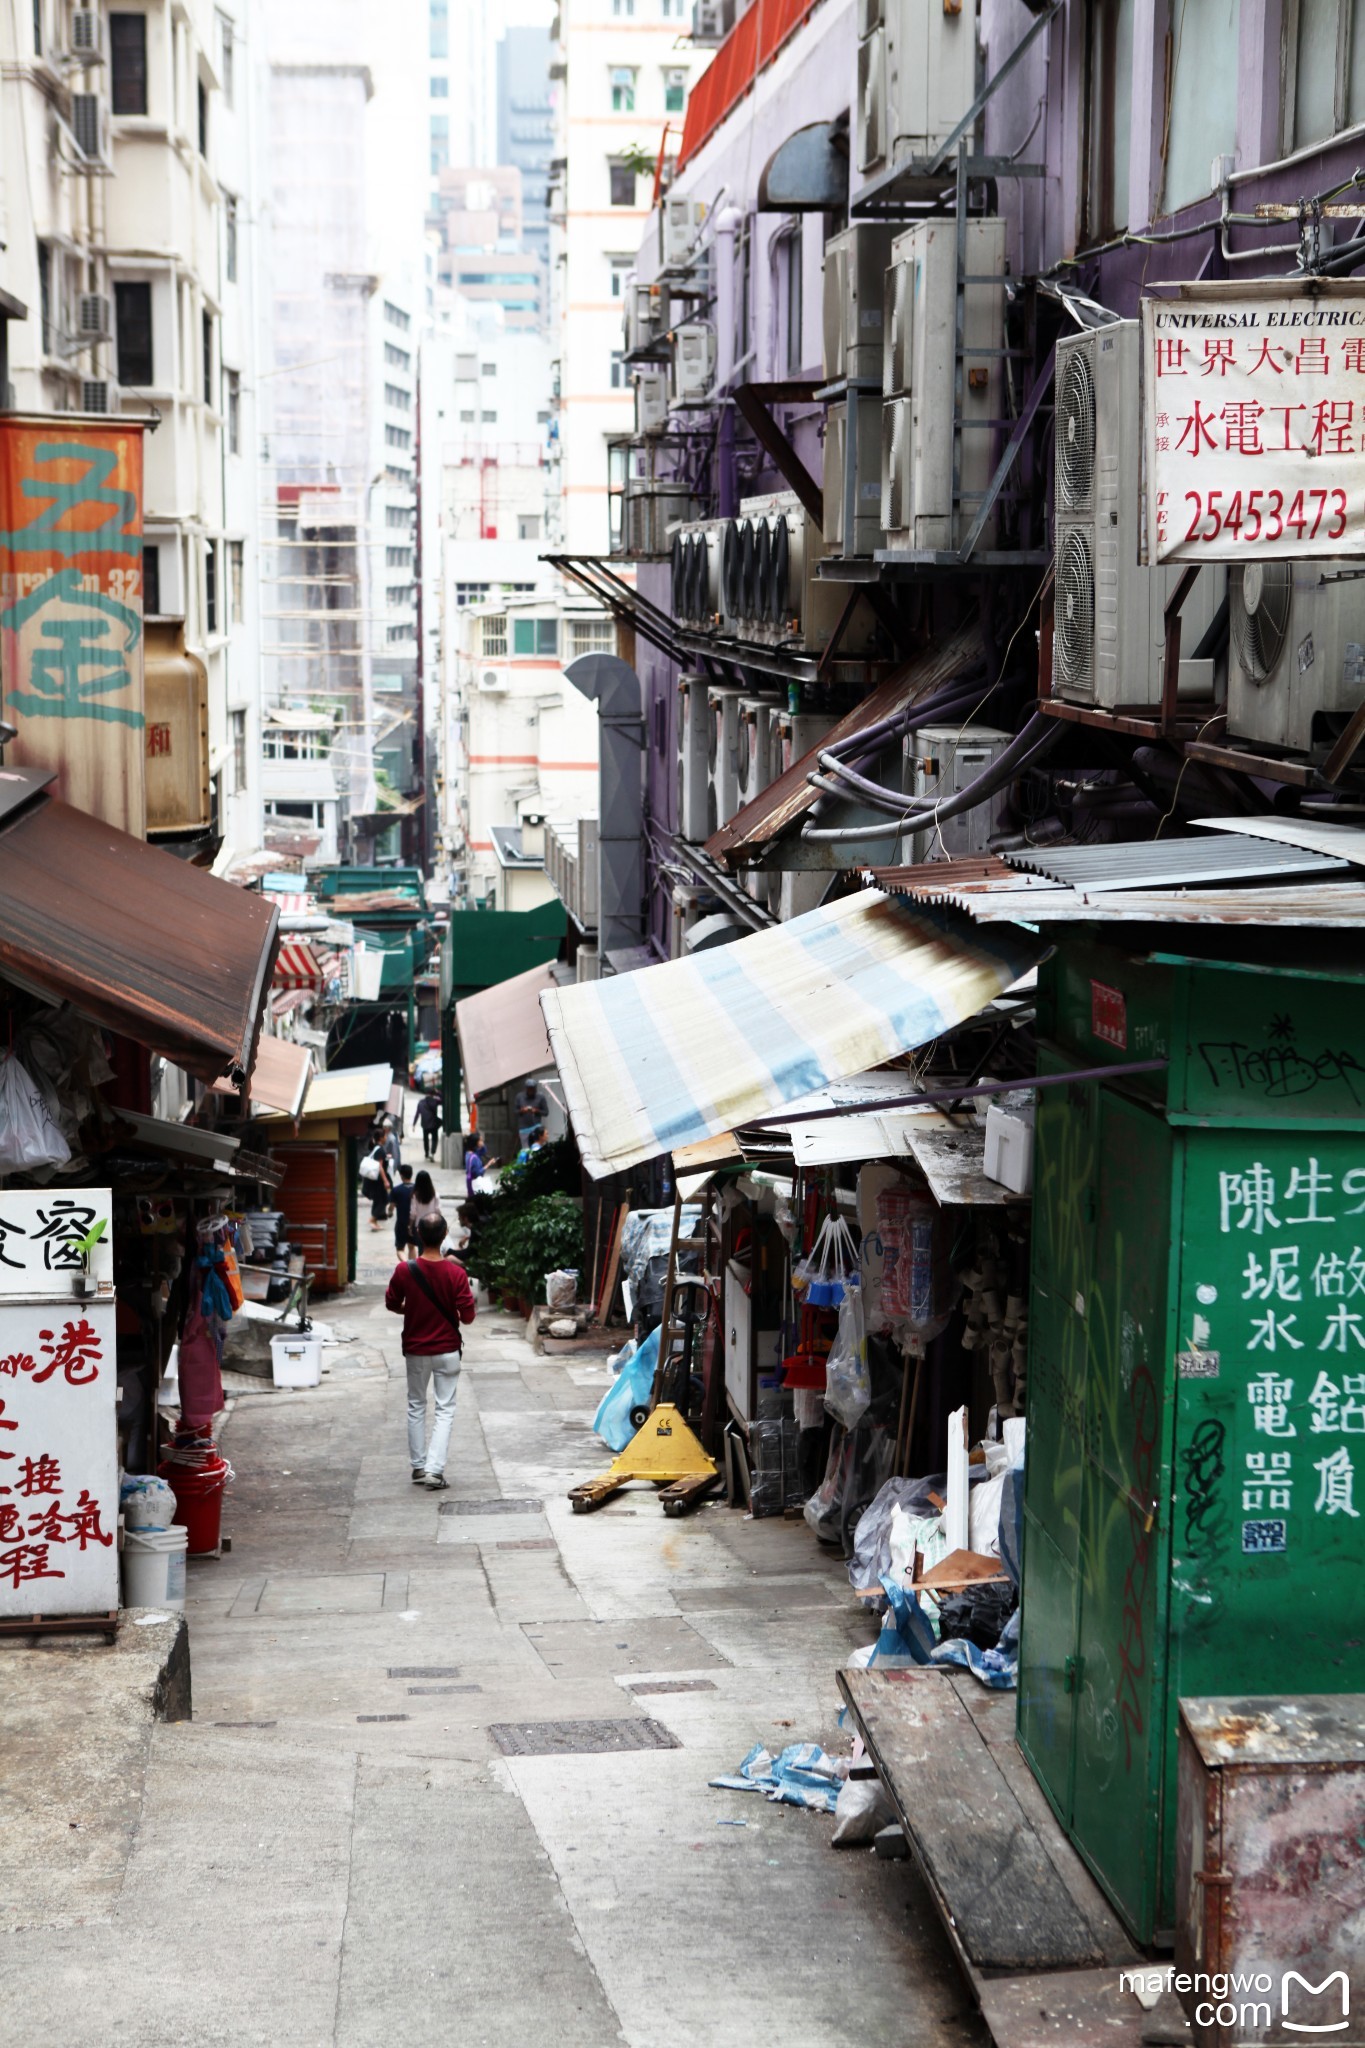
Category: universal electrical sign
<point>1253,402</point>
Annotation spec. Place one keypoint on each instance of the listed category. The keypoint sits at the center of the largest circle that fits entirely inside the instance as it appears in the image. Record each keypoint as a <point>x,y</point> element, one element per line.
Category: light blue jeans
<point>442,1370</point>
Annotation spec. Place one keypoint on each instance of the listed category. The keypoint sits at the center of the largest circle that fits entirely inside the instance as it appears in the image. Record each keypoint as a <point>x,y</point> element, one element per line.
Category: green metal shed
<point>1196,1396</point>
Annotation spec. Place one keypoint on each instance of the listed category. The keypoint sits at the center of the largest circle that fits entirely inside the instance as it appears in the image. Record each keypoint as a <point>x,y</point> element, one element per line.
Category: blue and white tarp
<point>686,1050</point>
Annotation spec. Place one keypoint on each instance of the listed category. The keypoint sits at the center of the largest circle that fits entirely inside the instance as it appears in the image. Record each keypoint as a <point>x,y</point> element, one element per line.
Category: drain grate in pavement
<point>425,1691</point>
<point>491,1507</point>
<point>424,1671</point>
<point>671,1685</point>
<point>383,1717</point>
<point>579,1738</point>
<point>527,1543</point>
<point>245,1724</point>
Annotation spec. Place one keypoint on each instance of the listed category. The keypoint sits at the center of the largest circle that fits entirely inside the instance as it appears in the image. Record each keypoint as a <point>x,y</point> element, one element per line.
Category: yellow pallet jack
<point>664,1449</point>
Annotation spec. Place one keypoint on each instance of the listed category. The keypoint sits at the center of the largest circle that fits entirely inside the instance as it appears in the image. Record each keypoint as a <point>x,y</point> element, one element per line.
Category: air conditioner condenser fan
<point>1259,602</point>
<point>1076,430</point>
<point>1074,616</point>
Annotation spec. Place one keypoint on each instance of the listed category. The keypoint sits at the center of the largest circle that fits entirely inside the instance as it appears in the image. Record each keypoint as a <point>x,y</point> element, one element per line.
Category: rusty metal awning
<point>148,945</point>
<point>502,1031</point>
<point>785,802</point>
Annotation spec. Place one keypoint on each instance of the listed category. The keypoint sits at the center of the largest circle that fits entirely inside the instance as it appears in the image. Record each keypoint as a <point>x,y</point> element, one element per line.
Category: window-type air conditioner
<point>694,362</point>
<point>86,41</point>
<point>1296,654</point>
<point>90,130</point>
<point>916,79</point>
<point>940,760</point>
<point>680,220</point>
<point>919,377</point>
<point>99,394</point>
<point>644,318</point>
<point>92,317</point>
<point>722,756</point>
<point>855,271</point>
<point>1108,636</point>
<point>651,401</point>
<point>694,758</point>
<point>708,22</point>
<point>867,535</point>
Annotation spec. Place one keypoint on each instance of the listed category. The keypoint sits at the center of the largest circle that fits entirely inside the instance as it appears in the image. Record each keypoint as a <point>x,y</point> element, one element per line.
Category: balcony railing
<point>751,45</point>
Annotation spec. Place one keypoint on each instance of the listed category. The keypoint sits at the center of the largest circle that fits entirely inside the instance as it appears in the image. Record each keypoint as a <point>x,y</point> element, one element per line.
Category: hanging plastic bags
<point>828,1267</point>
<point>848,1383</point>
<point>28,1136</point>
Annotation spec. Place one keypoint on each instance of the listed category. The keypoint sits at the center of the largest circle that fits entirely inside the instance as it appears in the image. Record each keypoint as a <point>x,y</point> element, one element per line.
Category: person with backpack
<point>434,1298</point>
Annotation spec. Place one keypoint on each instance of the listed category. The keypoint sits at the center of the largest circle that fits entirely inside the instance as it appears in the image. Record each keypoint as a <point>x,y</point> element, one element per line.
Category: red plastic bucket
<point>198,1494</point>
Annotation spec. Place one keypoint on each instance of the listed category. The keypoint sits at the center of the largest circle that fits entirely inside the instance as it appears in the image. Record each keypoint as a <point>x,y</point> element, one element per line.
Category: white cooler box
<point>296,1360</point>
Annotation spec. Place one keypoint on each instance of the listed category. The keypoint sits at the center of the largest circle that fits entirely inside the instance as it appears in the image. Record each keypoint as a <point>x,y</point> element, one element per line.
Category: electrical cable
<point>977,792</point>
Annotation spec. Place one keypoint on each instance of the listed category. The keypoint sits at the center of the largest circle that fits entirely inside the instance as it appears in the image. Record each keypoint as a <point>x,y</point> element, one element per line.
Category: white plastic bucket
<point>154,1568</point>
<point>296,1360</point>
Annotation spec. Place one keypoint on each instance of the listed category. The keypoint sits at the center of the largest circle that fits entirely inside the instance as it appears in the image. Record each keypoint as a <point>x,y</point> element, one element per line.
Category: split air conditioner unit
<point>770,592</point>
<point>708,22</point>
<point>753,747</point>
<point>916,78</point>
<point>86,40</point>
<point>695,577</point>
<point>644,318</point>
<point>92,317</point>
<point>690,905</point>
<point>940,761</point>
<point>919,380</point>
<point>722,756</point>
<point>680,224</point>
<point>867,535</point>
<point>855,272</point>
<point>694,362</point>
<point>694,758</point>
<point>791,893</point>
<point>1296,654</point>
<point>90,131</point>
<point>794,734</point>
<point>651,401</point>
<point>99,394</point>
<point>1109,633</point>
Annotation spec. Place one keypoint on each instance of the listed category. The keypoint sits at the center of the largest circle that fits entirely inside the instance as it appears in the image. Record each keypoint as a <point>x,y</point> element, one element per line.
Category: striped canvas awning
<point>690,1048</point>
<point>297,966</point>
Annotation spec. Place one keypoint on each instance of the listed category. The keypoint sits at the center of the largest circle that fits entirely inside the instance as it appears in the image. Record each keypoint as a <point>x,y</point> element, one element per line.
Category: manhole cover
<point>491,1507</point>
<point>672,1685</point>
<point>579,1738</point>
<point>424,1671</point>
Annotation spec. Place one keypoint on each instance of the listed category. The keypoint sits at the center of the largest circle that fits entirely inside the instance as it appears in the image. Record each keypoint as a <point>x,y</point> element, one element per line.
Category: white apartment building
<point>116,127</point>
<point>624,68</point>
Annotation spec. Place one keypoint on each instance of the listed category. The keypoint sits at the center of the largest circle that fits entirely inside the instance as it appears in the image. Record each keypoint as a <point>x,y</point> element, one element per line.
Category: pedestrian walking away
<point>393,1150</point>
<point>402,1212</point>
<point>374,1173</point>
<point>434,1298</point>
<point>428,1115</point>
<point>425,1202</point>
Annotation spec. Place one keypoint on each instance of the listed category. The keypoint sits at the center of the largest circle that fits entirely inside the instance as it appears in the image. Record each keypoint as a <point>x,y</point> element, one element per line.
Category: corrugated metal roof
<point>1170,863</point>
<point>991,893</point>
<point>791,796</point>
<point>148,945</point>
<point>1320,835</point>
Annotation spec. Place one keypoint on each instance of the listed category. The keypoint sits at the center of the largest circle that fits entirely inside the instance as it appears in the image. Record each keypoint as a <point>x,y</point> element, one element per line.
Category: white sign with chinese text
<point>1254,422</point>
<point>58,1458</point>
<point>40,1234</point>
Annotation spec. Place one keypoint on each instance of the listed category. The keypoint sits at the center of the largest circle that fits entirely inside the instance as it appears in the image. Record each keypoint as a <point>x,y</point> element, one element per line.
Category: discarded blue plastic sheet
<point>997,1668</point>
<point>801,1776</point>
<point>907,1635</point>
<point>630,1389</point>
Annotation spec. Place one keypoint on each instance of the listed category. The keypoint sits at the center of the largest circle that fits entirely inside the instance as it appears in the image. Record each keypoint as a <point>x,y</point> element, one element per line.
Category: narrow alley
<point>337,1850</point>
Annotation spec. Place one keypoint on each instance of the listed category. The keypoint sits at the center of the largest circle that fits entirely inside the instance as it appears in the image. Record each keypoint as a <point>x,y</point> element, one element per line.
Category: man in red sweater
<point>433,1296</point>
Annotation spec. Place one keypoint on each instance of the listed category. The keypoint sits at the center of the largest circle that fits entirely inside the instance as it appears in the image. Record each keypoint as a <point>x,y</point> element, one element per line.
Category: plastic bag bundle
<point>848,1383</point>
<point>831,1263</point>
<point>628,1393</point>
<point>29,1137</point>
<point>561,1288</point>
